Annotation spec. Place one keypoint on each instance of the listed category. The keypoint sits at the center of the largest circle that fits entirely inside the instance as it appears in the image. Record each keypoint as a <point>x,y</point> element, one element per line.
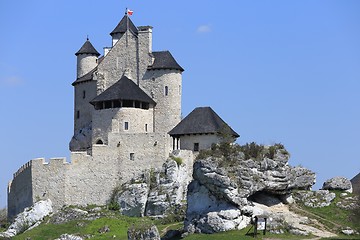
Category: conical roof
<point>122,26</point>
<point>124,89</point>
<point>202,120</point>
<point>87,48</point>
<point>164,60</point>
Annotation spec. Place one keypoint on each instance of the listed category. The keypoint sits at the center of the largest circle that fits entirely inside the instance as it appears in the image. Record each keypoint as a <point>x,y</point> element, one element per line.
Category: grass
<point>119,226</point>
<point>331,216</point>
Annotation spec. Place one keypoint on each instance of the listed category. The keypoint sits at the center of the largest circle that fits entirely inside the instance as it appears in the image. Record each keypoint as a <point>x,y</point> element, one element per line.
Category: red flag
<point>130,12</point>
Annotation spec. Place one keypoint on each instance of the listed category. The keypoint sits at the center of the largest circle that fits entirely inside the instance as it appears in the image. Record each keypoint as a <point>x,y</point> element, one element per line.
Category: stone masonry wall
<point>85,63</point>
<point>82,104</point>
<point>114,64</point>
<point>20,191</point>
<point>205,141</point>
<point>48,180</point>
<point>113,120</point>
<point>168,108</point>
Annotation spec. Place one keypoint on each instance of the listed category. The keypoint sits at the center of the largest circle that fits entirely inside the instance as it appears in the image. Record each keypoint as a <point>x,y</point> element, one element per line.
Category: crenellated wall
<point>20,190</point>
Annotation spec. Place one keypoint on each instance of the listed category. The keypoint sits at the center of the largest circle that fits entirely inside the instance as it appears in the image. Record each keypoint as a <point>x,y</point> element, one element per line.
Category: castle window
<point>108,104</point>
<point>166,90</point>
<point>117,104</point>
<point>77,114</point>
<point>146,127</point>
<point>99,141</point>
<point>84,94</point>
<point>196,147</point>
<point>126,125</point>
<point>137,104</point>
<point>132,156</point>
<point>153,79</point>
<point>179,90</point>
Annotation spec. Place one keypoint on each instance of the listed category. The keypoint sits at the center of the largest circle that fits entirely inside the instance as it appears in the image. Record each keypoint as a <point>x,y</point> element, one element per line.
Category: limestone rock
<point>315,199</point>
<point>69,237</point>
<point>158,192</point>
<point>338,183</point>
<point>143,233</point>
<point>222,195</point>
<point>132,200</point>
<point>28,218</point>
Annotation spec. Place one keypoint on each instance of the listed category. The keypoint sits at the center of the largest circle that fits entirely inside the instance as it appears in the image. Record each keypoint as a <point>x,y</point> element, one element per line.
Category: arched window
<point>99,141</point>
<point>166,90</point>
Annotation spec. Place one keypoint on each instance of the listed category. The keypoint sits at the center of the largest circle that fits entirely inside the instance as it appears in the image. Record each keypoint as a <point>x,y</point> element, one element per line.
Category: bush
<point>178,160</point>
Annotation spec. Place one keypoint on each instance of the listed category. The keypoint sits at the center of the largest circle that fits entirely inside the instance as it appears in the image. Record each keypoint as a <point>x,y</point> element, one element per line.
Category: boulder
<point>29,217</point>
<point>69,237</point>
<point>132,200</point>
<point>338,183</point>
<point>143,233</point>
<point>158,191</point>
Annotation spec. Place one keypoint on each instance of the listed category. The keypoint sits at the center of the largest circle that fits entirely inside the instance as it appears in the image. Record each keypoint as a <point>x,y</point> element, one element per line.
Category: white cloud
<point>12,81</point>
<point>204,29</point>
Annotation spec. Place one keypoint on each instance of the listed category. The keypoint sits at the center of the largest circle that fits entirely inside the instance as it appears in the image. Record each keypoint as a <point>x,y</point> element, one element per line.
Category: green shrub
<point>178,160</point>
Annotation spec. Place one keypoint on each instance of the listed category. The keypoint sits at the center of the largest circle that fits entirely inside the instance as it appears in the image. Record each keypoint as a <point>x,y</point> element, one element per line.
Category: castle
<point>127,119</point>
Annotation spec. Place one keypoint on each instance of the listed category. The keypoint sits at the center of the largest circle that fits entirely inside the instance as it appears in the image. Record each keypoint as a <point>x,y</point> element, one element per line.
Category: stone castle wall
<point>168,104</point>
<point>20,190</point>
<point>113,120</point>
<point>84,93</point>
<point>116,61</point>
<point>85,63</point>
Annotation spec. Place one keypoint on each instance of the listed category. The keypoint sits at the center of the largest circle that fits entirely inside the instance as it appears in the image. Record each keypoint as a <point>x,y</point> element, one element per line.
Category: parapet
<point>23,168</point>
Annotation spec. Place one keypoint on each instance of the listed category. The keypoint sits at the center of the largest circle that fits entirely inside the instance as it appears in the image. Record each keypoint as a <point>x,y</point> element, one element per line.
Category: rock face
<point>315,199</point>
<point>27,219</point>
<point>338,183</point>
<point>156,192</point>
<point>144,233</point>
<point>221,197</point>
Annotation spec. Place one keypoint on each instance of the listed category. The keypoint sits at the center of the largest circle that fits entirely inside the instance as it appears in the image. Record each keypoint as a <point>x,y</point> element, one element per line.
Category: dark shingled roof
<point>124,89</point>
<point>85,78</point>
<point>164,60</point>
<point>122,26</point>
<point>202,120</point>
<point>87,48</point>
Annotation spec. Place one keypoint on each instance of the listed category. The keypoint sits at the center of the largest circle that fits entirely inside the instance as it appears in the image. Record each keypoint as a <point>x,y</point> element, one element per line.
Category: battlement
<point>22,168</point>
<point>57,161</point>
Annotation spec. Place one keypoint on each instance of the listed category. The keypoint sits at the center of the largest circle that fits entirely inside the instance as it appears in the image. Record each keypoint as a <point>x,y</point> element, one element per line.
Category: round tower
<point>87,57</point>
<point>163,82</point>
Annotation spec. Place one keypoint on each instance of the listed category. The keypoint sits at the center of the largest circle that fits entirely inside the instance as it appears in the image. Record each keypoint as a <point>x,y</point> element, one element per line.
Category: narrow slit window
<point>166,90</point>
<point>132,156</point>
<point>146,127</point>
<point>196,147</point>
<point>126,125</point>
<point>84,94</point>
<point>77,114</point>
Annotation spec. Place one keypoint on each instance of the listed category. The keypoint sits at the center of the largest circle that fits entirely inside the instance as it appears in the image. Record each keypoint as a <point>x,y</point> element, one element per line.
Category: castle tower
<point>86,58</point>
<point>84,92</point>
<point>163,82</point>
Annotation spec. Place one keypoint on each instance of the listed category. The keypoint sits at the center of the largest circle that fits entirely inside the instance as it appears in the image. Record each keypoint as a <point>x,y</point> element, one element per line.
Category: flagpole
<point>126,40</point>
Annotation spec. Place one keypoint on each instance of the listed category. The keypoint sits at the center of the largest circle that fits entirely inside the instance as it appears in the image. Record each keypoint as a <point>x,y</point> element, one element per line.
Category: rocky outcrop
<point>338,183</point>
<point>156,192</point>
<point>222,195</point>
<point>143,233</point>
<point>314,199</point>
<point>30,217</point>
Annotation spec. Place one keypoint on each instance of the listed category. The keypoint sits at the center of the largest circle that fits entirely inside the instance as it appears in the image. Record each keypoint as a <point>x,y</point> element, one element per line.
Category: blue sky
<point>276,71</point>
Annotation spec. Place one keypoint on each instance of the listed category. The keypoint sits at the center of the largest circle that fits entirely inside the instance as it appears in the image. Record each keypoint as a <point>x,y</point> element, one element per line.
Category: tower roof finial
<point>87,37</point>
